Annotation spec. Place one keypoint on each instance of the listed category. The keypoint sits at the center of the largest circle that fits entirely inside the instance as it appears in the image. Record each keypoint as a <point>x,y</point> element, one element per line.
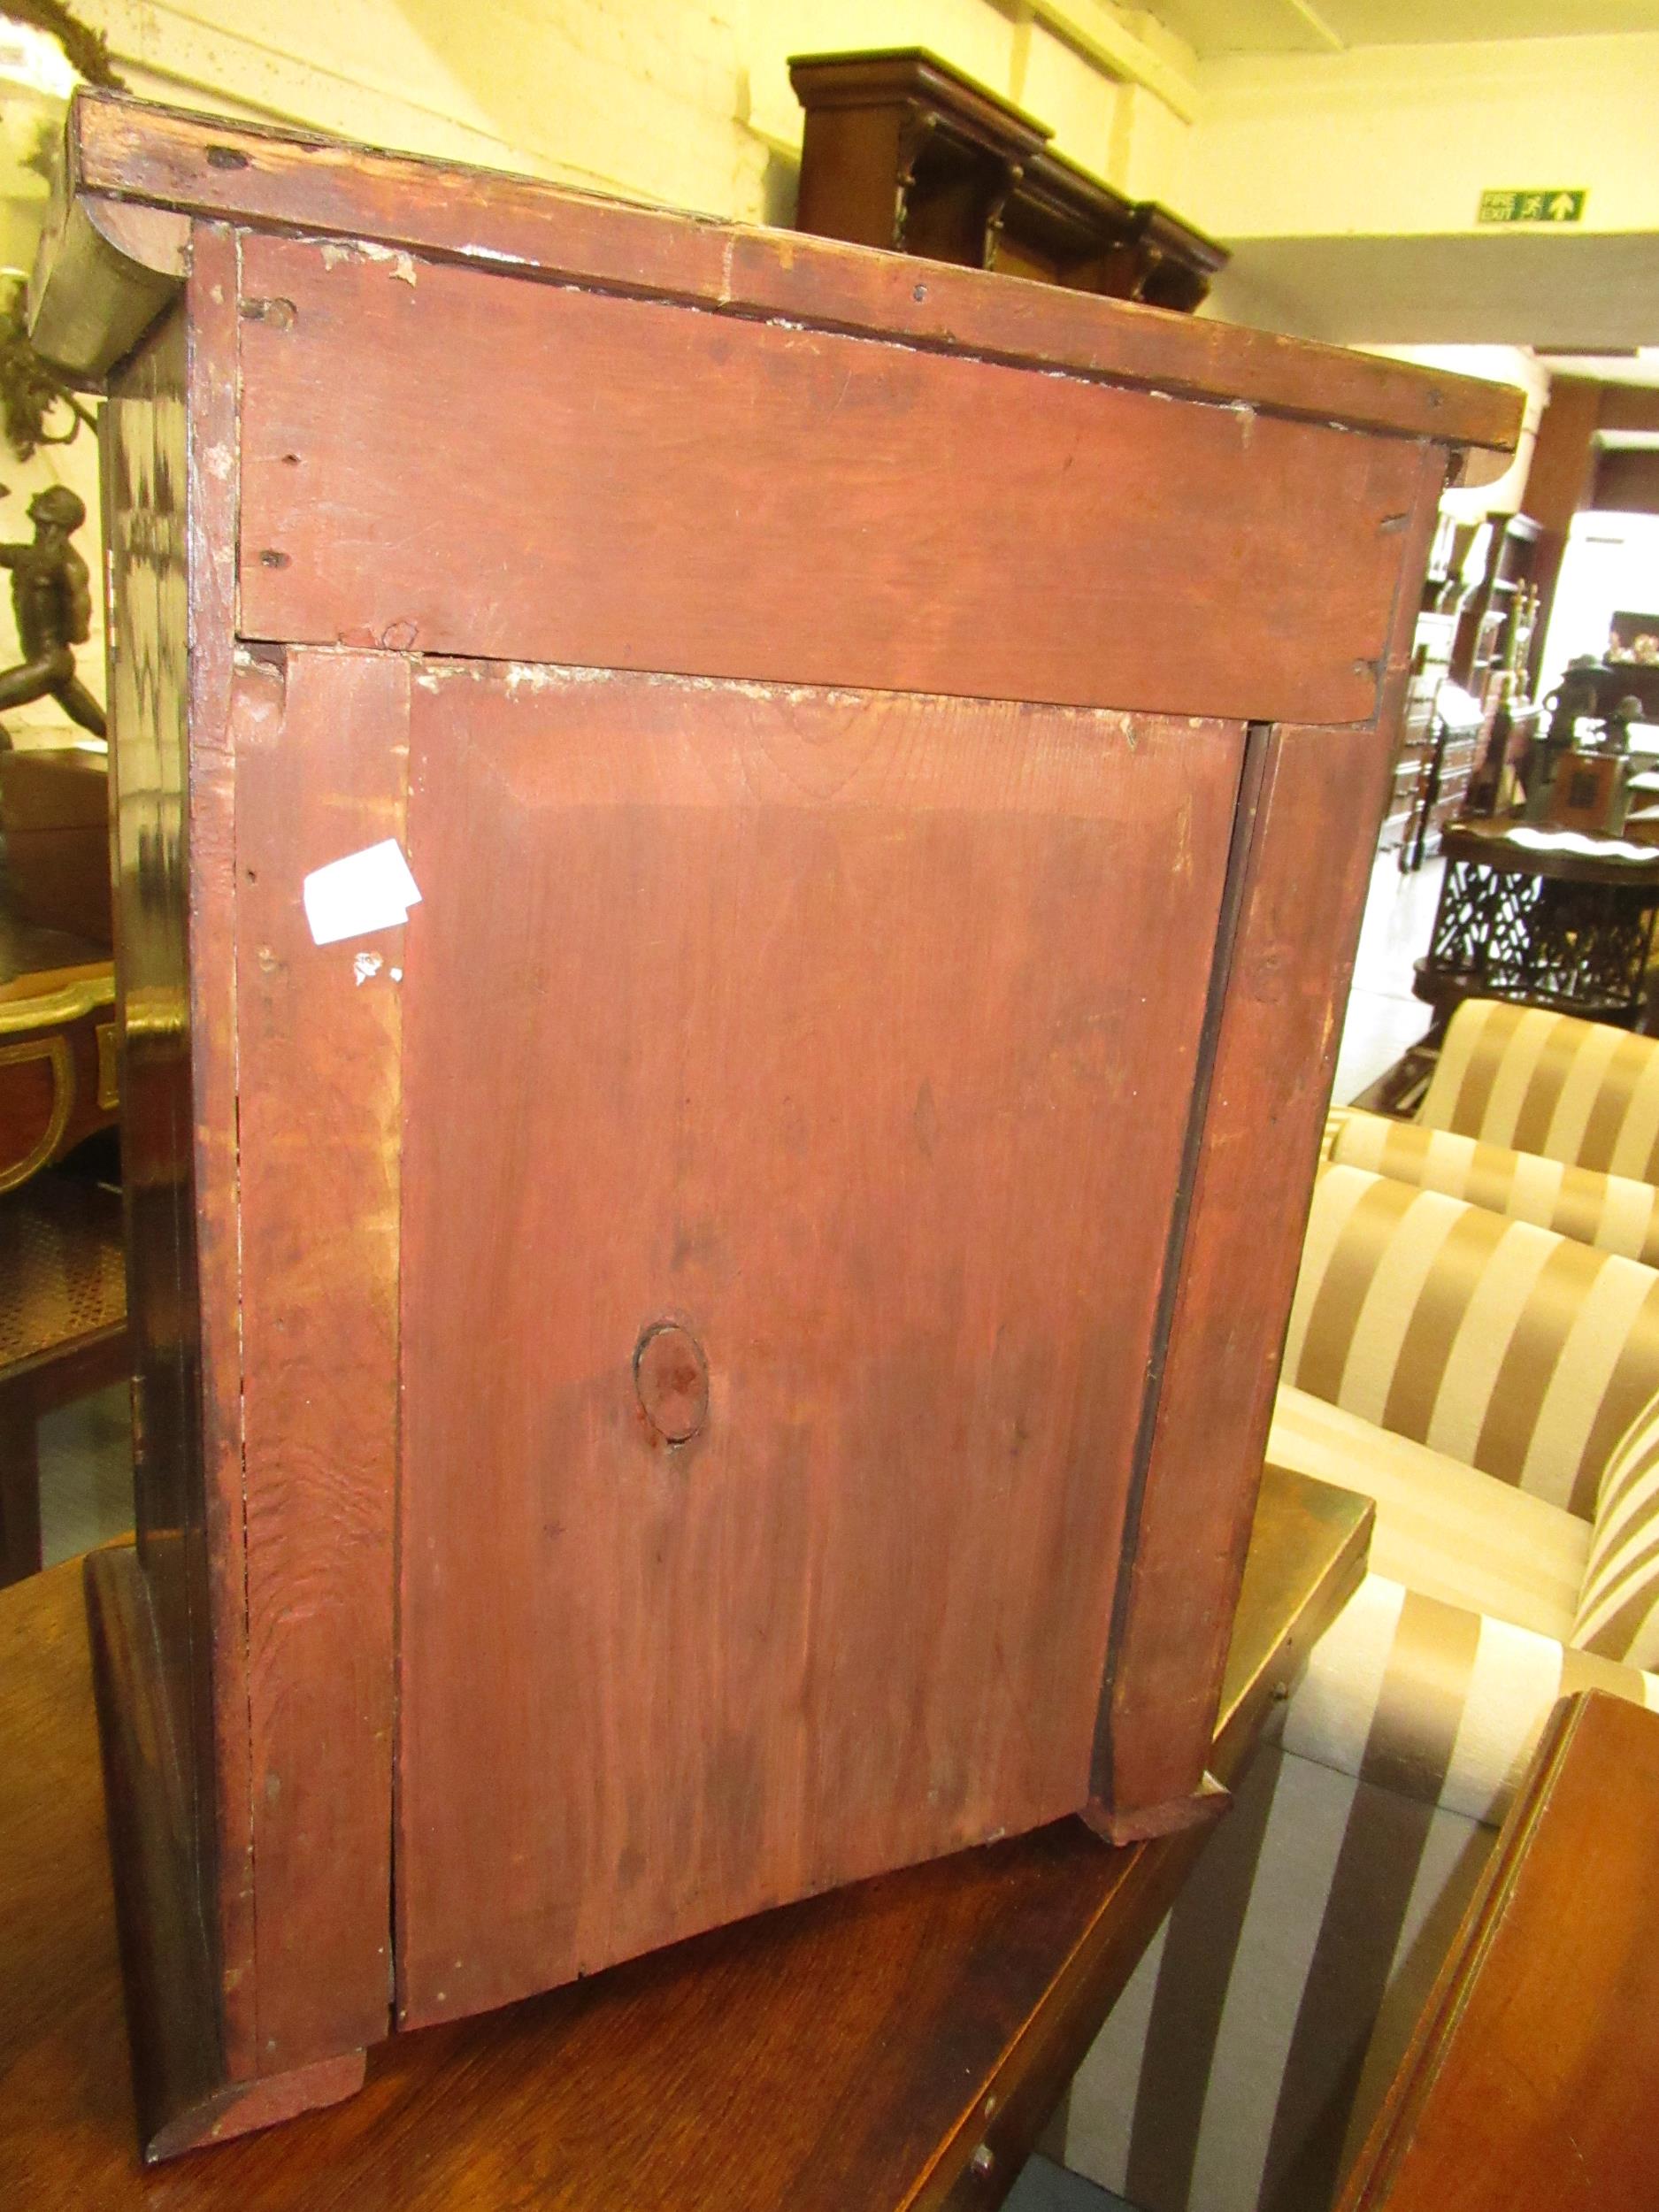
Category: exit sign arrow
<point>1548,203</point>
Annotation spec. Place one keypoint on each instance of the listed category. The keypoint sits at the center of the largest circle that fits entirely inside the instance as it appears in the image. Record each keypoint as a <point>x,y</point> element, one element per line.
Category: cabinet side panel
<point>1302,898</point>
<point>321,748</point>
<point>174,1172</point>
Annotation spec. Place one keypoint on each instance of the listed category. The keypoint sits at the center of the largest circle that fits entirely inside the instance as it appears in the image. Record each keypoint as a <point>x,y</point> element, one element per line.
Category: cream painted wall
<point>687,101</point>
<point>1403,140</point>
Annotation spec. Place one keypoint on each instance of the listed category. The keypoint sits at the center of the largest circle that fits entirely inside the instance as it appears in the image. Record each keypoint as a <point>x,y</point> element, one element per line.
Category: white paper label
<point>365,891</point>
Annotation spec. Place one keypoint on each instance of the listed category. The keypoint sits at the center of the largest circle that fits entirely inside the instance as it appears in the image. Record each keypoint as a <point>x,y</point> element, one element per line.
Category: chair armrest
<point>1440,1704</point>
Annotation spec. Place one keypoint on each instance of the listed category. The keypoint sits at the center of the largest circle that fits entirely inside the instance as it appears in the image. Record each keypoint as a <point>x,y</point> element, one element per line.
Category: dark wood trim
<point>213,430</point>
<point>183,2096</point>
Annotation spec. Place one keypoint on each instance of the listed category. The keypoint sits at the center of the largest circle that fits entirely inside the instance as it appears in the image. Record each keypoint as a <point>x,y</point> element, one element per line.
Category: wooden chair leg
<point>19,1485</point>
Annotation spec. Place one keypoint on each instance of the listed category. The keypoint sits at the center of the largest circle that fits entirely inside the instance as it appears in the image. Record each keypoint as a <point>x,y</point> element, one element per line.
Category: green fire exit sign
<point>1553,203</point>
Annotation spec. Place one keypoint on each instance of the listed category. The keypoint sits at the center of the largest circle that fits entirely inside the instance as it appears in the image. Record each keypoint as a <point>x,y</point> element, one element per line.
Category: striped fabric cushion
<point>1576,1091</point>
<point>1242,2064</point>
<point>1618,1607</point>
<point>1441,1704</point>
<point>1616,1213</point>
<point>1499,1343</point>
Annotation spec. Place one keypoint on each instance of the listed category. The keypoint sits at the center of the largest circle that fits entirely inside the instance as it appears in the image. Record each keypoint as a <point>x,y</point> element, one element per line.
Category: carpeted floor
<point>1045,2187</point>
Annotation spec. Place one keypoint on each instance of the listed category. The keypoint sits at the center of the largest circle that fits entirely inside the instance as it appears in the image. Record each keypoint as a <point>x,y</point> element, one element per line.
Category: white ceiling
<point>1595,293</point>
<point>1215,28</point>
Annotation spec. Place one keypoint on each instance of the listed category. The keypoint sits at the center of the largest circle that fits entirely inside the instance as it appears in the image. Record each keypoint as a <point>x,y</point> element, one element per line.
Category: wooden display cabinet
<point>903,151</point>
<point>1495,623</point>
<point>730,1349</point>
<point>1430,651</point>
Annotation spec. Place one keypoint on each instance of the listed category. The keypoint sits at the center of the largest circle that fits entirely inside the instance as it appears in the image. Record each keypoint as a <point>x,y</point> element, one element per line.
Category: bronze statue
<point>52,600</point>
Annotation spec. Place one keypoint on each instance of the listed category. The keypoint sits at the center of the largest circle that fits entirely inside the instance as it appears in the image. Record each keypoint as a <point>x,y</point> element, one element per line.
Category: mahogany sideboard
<point>722,1343</point>
<point>896,2047</point>
<point>902,150</point>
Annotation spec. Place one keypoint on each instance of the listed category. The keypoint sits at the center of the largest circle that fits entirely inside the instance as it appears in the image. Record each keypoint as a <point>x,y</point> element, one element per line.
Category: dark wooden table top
<point>1564,855</point>
<point>899,2043</point>
<point>1531,2082</point>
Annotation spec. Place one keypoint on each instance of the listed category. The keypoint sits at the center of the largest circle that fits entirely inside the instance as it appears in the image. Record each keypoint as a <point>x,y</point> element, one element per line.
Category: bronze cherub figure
<point>52,600</point>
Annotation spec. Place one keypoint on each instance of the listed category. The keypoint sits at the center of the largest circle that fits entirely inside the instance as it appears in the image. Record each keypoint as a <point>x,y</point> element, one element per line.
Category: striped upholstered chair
<point>1490,1383</point>
<point>1533,1114</point>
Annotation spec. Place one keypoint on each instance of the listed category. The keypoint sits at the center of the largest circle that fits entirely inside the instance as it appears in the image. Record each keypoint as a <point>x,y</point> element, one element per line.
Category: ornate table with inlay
<point>1546,917</point>
<point>57,1067</point>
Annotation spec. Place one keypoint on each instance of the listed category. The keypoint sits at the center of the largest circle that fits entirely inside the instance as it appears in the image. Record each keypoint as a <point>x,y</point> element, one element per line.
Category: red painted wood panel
<point>321,753</point>
<point>529,471</point>
<point>853,1038</point>
<point>205,164</point>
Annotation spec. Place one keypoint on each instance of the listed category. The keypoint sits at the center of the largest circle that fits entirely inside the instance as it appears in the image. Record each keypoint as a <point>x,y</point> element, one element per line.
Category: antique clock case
<point>731,1349</point>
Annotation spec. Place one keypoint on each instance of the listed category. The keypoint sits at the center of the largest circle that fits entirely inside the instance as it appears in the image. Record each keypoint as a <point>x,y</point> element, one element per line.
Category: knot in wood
<point>671,1377</point>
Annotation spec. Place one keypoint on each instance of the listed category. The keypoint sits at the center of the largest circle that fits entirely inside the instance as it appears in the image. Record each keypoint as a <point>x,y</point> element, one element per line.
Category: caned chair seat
<point>63,1332</point>
<point>62,1276</point>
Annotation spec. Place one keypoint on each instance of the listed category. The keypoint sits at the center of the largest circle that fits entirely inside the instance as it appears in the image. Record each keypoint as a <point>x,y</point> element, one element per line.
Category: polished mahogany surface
<point>855,2049</point>
<point>1533,2080</point>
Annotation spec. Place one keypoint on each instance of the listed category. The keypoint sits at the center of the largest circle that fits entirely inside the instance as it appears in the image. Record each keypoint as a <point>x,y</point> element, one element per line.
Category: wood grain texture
<point>208,166</point>
<point>320,753</point>
<point>589,515</point>
<point>1309,837</point>
<point>1532,2077</point>
<point>822,1026</point>
<point>207,864</point>
<point>853,2050</point>
<point>805,1078</point>
<point>168,447</point>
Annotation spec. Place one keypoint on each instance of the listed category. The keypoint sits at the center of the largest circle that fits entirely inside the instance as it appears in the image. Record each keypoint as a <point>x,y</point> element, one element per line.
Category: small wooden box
<point>732,1349</point>
<point>1590,793</point>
